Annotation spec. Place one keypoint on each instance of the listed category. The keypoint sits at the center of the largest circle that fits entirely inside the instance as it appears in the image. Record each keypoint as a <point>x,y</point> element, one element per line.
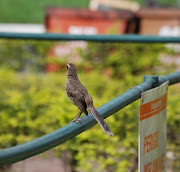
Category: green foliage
<point>173,123</point>
<point>173,116</point>
<point>38,105</point>
<point>123,59</point>
<point>21,11</point>
<point>33,105</point>
<point>173,3</point>
<point>23,55</point>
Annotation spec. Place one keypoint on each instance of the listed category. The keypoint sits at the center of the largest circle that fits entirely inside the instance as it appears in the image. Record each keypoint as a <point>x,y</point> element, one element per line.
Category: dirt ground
<point>45,163</point>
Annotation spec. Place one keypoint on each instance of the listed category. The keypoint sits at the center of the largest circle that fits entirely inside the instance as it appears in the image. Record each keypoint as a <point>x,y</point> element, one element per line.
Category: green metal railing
<point>95,38</point>
<point>46,142</point>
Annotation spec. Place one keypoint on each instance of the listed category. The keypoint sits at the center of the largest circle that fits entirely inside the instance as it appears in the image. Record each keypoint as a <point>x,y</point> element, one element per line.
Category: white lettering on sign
<point>156,105</point>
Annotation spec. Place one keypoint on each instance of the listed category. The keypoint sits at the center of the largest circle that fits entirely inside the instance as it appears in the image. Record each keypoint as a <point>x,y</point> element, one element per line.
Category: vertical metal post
<point>154,79</point>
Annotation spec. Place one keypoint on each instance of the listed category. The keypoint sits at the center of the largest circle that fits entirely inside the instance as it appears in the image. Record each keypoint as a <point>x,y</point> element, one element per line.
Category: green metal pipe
<point>46,142</point>
<point>94,38</point>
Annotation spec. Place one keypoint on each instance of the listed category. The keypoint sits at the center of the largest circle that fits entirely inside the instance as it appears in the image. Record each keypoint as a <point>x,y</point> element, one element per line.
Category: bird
<point>80,97</point>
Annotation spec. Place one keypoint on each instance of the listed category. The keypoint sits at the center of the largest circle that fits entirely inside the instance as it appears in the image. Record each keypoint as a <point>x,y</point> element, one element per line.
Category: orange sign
<point>153,108</point>
<point>153,130</point>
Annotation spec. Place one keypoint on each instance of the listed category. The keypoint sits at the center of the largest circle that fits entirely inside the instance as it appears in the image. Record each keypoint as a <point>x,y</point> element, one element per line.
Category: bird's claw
<point>76,120</point>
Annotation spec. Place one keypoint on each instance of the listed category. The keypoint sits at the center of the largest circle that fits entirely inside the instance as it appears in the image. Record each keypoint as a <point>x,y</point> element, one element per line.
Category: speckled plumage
<point>79,96</point>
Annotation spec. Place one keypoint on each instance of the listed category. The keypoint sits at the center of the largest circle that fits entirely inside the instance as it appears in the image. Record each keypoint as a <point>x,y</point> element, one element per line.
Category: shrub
<point>32,105</point>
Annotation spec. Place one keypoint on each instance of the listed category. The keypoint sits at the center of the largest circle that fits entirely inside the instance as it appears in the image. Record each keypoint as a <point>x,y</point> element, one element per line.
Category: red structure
<point>146,21</point>
<point>85,21</point>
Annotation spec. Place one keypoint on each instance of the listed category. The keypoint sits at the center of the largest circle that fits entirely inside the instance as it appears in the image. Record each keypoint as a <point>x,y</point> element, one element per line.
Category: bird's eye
<point>67,66</point>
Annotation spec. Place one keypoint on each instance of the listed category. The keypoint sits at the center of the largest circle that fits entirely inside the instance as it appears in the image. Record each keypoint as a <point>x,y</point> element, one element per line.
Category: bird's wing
<point>75,96</point>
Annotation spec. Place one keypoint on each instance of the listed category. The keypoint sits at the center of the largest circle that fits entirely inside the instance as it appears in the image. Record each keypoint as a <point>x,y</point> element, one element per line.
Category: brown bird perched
<point>79,96</point>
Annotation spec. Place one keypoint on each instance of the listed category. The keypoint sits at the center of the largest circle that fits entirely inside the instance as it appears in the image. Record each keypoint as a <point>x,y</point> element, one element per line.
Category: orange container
<point>85,21</point>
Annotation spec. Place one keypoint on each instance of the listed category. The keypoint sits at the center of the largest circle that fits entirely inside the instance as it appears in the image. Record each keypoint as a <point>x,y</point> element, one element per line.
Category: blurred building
<point>107,17</point>
<point>159,21</point>
<point>83,22</point>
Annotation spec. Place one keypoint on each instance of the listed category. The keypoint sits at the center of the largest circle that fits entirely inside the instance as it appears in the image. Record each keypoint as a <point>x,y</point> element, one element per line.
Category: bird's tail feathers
<point>100,121</point>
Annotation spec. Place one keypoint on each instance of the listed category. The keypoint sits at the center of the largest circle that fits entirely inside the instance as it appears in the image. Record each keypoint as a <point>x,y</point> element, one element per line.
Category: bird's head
<point>71,70</point>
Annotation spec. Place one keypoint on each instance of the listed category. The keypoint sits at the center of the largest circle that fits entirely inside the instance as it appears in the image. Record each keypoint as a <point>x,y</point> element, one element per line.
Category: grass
<point>33,11</point>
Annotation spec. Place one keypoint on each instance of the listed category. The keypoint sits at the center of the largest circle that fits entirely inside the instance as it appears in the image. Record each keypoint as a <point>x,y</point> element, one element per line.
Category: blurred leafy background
<point>34,103</point>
